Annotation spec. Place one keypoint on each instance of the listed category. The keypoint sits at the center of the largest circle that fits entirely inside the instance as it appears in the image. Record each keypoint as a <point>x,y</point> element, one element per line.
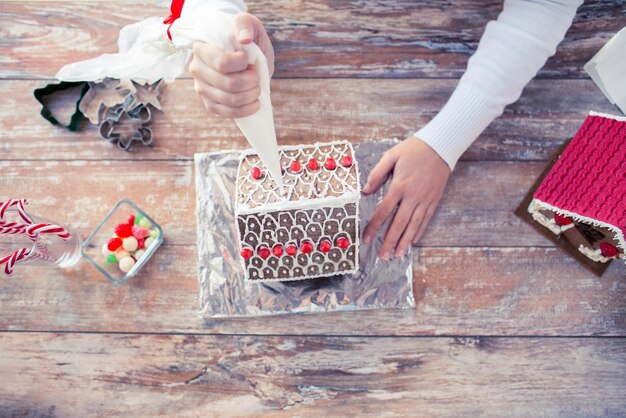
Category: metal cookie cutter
<point>126,127</point>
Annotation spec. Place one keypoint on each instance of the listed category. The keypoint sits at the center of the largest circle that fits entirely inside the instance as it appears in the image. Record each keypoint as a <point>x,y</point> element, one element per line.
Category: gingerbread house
<point>311,227</point>
<point>583,196</point>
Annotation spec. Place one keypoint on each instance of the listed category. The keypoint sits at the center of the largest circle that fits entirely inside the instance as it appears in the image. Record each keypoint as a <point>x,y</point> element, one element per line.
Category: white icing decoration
<point>537,205</point>
<point>595,255</point>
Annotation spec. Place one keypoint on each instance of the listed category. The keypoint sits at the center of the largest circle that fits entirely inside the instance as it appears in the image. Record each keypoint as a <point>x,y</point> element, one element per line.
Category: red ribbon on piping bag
<point>175,9</point>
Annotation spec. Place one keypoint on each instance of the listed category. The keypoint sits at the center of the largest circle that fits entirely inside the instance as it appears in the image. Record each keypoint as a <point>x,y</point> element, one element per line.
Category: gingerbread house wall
<point>293,228</point>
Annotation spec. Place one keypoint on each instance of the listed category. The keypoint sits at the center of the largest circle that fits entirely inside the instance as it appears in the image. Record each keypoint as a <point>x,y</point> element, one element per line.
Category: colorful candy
<point>255,173</point>
<point>330,164</point>
<point>129,242</point>
<point>325,246</point>
<point>126,264</point>
<point>346,161</point>
<point>312,164</point>
<point>295,166</point>
<point>124,230</point>
<point>114,244</point>
<point>343,243</point>
<point>306,247</point>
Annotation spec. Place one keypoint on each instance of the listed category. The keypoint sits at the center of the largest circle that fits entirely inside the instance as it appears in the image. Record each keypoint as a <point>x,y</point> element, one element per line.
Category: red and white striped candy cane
<point>20,229</point>
<point>12,259</point>
<point>42,228</point>
<point>20,203</point>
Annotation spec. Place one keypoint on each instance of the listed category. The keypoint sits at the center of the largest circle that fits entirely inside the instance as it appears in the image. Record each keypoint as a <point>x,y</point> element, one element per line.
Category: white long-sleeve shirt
<point>510,53</point>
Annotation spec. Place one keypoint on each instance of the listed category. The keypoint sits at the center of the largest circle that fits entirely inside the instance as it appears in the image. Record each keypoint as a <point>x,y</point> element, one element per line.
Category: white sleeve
<point>511,51</point>
<point>226,6</point>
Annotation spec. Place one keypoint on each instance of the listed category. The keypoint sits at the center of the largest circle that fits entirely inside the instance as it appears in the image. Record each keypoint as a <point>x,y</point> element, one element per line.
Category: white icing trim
<point>594,255</point>
<point>536,205</point>
<point>549,223</point>
<point>606,115</point>
<point>315,276</point>
<point>326,202</point>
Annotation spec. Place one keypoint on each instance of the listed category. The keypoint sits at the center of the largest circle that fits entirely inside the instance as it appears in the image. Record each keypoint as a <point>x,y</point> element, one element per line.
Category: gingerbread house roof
<point>331,178</point>
<point>588,182</point>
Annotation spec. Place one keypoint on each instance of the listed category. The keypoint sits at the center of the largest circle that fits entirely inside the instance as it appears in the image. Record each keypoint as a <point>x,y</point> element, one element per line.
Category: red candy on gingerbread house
<point>309,229</point>
<point>583,196</point>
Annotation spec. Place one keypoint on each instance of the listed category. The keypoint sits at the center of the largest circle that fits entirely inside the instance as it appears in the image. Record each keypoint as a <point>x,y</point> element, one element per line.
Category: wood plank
<point>459,291</point>
<point>190,375</point>
<point>312,39</point>
<point>476,210</point>
<point>356,110</point>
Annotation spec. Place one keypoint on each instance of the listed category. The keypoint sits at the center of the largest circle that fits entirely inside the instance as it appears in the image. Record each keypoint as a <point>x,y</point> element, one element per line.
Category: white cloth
<point>147,54</point>
<point>511,51</point>
<point>608,69</point>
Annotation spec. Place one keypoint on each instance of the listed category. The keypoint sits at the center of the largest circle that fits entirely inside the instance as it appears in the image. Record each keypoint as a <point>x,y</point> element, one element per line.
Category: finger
<point>425,221</point>
<point>220,110</point>
<point>379,172</point>
<point>383,211</point>
<point>246,28</point>
<point>231,83</point>
<point>227,99</point>
<point>410,231</point>
<point>396,228</point>
<point>219,60</point>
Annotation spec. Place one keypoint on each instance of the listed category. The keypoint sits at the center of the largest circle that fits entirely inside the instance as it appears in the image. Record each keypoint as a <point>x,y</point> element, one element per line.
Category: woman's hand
<point>419,177</point>
<point>227,85</point>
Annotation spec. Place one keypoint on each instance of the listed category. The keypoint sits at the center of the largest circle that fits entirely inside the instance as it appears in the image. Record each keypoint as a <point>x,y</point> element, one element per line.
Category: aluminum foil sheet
<point>223,291</point>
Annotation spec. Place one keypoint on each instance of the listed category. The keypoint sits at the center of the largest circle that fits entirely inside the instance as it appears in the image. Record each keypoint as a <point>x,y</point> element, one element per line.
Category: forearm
<point>511,51</point>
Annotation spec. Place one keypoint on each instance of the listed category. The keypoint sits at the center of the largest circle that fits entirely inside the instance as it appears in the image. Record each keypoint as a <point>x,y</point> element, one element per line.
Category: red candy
<point>131,219</point>
<point>114,244</point>
<point>346,161</point>
<point>608,250</point>
<point>246,253</point>
<point>277,250</point>
<point>306,247</point>
<point>562,220</point>
<point>141,243</point>
<point>312,164</point>
<point>124,230</point>
<point>325,246</point>
<point>292,250</point>
<point>295,167</point>
<point>343,243</point>
<point>264,252</point>
<point>330,164</point>
<point>255,173</point>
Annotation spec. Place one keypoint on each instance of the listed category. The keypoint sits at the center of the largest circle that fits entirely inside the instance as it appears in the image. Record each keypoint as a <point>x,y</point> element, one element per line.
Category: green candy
<point>138,218</point>
<point>154,233</point>
<point>111,258</point>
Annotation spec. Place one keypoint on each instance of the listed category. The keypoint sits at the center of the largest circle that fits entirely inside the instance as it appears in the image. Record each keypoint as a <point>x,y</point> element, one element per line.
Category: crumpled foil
<point>223,291</point>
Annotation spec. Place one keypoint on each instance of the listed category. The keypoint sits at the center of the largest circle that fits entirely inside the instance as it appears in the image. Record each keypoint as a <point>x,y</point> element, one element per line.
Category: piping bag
<point>146,54</point>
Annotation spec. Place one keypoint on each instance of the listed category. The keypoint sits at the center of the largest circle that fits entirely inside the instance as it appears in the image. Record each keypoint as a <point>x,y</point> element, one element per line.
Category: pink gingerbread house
<point>583,196</point>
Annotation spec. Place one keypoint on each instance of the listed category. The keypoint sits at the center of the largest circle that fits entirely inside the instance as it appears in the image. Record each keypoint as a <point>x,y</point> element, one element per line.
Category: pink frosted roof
<point>589,179</point>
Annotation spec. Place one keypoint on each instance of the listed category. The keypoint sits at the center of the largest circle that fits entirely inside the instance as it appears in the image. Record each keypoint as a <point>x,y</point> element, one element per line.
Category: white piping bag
<point>146,54</point>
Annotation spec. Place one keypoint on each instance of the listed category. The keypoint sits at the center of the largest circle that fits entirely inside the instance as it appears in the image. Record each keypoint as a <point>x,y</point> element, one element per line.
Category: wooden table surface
<point>505,323</point>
